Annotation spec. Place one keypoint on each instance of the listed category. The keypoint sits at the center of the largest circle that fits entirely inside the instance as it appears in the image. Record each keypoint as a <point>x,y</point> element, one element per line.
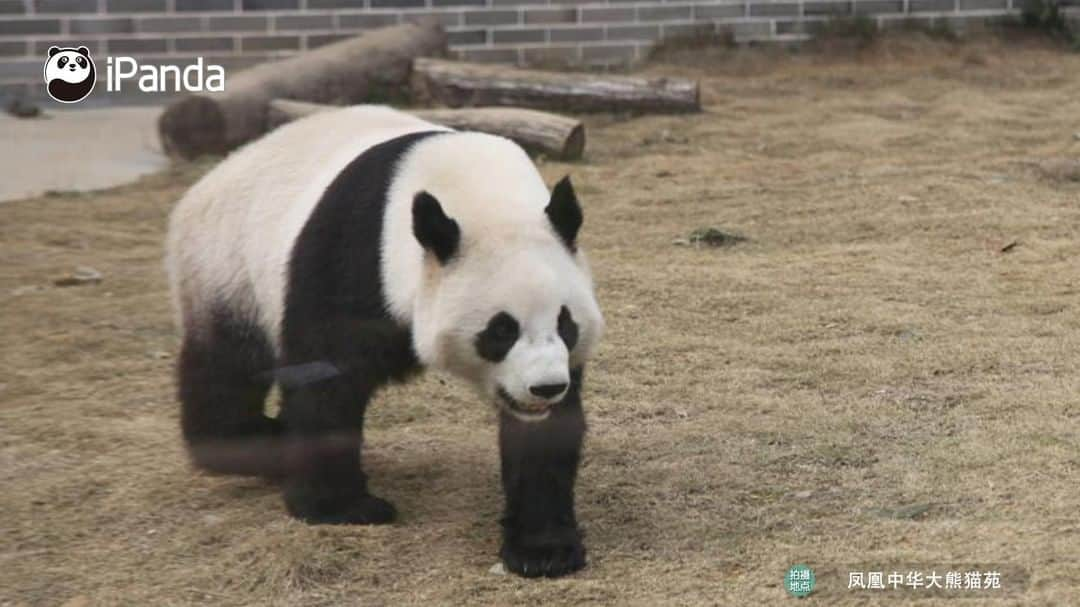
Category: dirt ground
<point>883,376</point>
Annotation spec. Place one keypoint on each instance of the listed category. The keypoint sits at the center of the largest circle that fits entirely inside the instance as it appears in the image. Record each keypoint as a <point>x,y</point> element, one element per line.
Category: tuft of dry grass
<point>868,378</point>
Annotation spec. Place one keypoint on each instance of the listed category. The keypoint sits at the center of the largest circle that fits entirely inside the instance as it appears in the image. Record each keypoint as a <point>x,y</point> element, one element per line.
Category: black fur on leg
<point>222,379</point>
<point>325,481</point>
<point>335,315</point>
<point>539,467</point>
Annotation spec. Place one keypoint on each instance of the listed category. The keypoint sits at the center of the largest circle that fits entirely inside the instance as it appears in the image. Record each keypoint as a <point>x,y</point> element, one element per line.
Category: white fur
<point>510,260</point>
<point>231,237</point>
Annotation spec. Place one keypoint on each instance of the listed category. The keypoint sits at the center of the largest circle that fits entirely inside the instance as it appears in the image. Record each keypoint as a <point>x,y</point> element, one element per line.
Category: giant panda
<point>356,247</point>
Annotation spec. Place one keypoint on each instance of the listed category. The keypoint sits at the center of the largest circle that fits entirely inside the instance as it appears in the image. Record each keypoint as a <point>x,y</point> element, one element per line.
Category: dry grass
<point>867,350</point>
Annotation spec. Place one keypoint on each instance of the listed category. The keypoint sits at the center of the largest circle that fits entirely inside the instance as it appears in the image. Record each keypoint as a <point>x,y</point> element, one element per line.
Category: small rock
<point>669,137</point>
<point>1061,169</point>
<point>664,136</point>
<point>161,355</point>
<point>1076,135</point>
<point>906,198</point>
<point>21,107</point>
<point>498,569</point>
<point>26,290</point>
<point>908,335</point>
<point>714,237</point>
<point>83,275</point>
<point>801,495</point>
<point>680,242</point>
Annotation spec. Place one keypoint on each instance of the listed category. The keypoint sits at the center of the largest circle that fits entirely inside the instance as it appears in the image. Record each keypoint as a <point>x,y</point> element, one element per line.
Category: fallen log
<point>374,65</point>
<point>458,84</point>
<point>552,135</point>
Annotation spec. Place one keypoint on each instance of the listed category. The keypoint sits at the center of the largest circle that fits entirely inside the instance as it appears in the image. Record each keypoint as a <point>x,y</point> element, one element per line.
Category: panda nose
<point>548,390</point>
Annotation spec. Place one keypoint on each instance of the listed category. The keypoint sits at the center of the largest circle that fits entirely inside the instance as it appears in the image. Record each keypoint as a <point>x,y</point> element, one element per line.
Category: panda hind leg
<point>225,375</point>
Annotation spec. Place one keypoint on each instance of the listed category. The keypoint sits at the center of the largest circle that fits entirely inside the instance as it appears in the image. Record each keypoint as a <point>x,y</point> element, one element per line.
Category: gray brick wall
<point>583,32</point>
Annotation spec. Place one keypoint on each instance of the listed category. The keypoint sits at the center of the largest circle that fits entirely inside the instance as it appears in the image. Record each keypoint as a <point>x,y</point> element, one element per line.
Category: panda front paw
<point>550,553</point>
<point>322,506</point>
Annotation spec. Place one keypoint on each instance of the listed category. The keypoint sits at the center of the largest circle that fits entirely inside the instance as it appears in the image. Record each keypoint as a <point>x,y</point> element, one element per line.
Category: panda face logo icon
<point>69,74</point>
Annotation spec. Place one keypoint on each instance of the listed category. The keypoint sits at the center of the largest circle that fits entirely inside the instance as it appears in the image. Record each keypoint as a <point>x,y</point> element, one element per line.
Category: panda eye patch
<point>568,329</point>
<point>496,340</point>
<point>62,62</point>
<point>81,62</point>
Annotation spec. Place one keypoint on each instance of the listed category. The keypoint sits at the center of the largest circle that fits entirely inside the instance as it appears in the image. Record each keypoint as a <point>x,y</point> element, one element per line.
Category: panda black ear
<point>83,51</point>
<point>433,229</point>
<point>565,212</point>
<point>53,50</point>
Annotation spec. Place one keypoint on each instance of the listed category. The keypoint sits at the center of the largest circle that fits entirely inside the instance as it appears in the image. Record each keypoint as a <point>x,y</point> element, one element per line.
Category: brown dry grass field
<point>871,380</point>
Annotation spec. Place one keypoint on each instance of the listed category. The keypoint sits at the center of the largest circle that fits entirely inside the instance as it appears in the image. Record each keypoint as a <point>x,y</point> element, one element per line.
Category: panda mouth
<point>536,413</point>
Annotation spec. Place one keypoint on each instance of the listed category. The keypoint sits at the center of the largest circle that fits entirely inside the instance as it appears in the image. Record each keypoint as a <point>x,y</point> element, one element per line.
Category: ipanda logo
<point>194,78</point>
<point>70,75</point>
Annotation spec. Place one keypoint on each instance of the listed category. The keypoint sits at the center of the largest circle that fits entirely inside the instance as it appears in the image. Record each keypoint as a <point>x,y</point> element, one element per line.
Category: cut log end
<point>193,126</point>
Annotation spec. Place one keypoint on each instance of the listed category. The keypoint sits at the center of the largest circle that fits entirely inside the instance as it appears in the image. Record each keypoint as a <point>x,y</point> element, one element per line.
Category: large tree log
<point>468,84</point>
<point>538,132</point>
<point>374,66</point>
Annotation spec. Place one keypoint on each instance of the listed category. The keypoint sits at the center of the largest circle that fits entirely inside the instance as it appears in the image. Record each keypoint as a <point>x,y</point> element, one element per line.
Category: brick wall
<point>237,33</point>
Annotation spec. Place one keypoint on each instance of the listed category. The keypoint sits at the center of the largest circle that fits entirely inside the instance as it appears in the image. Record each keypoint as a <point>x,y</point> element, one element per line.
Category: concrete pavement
<point>77,149</point>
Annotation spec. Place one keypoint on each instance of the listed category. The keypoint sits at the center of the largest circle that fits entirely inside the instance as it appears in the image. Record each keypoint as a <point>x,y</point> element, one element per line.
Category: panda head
<point>510,309</point>
<point>69,73</point>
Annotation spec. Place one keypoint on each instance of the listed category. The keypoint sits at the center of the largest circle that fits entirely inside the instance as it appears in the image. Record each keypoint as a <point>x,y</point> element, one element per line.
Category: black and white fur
<point>353,248</point>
